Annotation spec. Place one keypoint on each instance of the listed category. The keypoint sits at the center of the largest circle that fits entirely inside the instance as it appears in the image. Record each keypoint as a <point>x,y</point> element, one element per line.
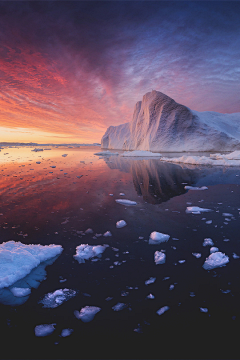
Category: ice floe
<point>125,202</point>
<point>157,237</point>
<point>119,306</point>
<point>216,259</point>
<point>140,153</point>
<point>162,310</point>
<point>150,280</point>
<point>107,152</point>
<point>64,155</point>
<point>86,252</point>
<point>120,224</point>
<point>195,188</point>
<point>196,210</point>
<point>66,332</point>
<point>17,259</point>
<point>205,310</point>
<point>208,241</point>
<point>56,298</point>
<point>227,214</point>
<point>89,231</point>
<point>159,257</point>
<point>197,255</point>
<point>87,313</point>
<point>235,256</point>
<point>44,330</point>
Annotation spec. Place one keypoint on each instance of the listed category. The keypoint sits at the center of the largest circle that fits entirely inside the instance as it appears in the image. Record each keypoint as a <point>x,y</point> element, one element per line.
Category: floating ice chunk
<point>86,252</point>
<point>125,202</point>
<point>162,310</point>
<point>171,287</point>
<point>235,256</point>
<point>38,162</point>
<point>120,224</point>
<point>20,292</point>
<point>159,257</point>
<point>17,259</point>
<point>64,155</point>
<point>87,313</point>
<point>208,241</point>
<point>121,194</point>
<point>225,291</point>
<point>119,306</point>
<point>196,210</point>
<point>44,330</point>
<point>227,214</point>
<point>181,261</point>
<point>110,194</point>
<point>150,280</point>
<point>195,188</point>
<point>107,233</point>
<point>36,150</point>
<point>141,153</point>
<point>213,249</point>
<point>107,152</point>
<point>56,298</point>
<point>150,296</point>
<point>66,332</point>
<point>209,222</point>
<point>197,255</point>
<point>157,237</point>
<point>53,166</point>
<point>205,310</point>
<point>89,231</point>
<point>216,259</point>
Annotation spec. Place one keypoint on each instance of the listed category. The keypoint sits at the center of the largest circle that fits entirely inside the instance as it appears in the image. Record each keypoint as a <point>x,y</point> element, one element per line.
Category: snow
<point>162,310</point>
<point>86,252</point>
<point>161,124</point>
<point>125,202</point>
<point>107,152</point>
<point>208,241</point>
<point>20,292</point>
<point>150,280</point>
<point>44,330</point>
<point>87,313</point>
<point>196,210</point>
<point>66,332</point>
<point>56,298</point>
<point>140,153</point>
<point>17,259</point>
<point>119,306</point>
<point>120,224</point>
<point>195,188</point>
<point>157,237</point>
<point>159,257</point>
<point>107,233</point>
<point>216,259</point>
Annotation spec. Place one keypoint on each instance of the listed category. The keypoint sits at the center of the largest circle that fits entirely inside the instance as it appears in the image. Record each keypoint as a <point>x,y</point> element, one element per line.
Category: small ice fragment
<point>181,261</point>
<point>175,238</point>
<point>208,241</point>
<point>64,155</point>
<point>225,291</point>
<point>86,252</point>
<point>138,329</point>
<point>56,298</point>
<point>121,194</point>
<point>159,257</point>
<point>44,330</point>
<point>119,306</point>
<point>150,280</point>
<point>208,222</point>
<point>120,224</point>
<point>213,249</point>
<point>157,237</point>
<point>53,166</point>
<point>227,214</point>
<point>86,294</point>
<point>235,256</point>
<point>109,298</point>
<point>162,310</point>
<point>150,296</point>
<point>196,210</point>
<point>192,294</point>
<point>141,237</point>
<point>98,235</point>
<point>87,313</point>
<point>197,255</point>
<point>38,162</point>
<point>226,240</point>
<point>166,278</point>
<point>195,188</point>
<point>203,218</point>
<point>205,310</point>
<point>216,259</point>
<point>171,287</point>
<point>110,194</point>
<point>124,293</point>
<point>125,202</point>
<point>20,292</point>
<point>89,231</point>
<point>115,249</point>
<point>66,332</point>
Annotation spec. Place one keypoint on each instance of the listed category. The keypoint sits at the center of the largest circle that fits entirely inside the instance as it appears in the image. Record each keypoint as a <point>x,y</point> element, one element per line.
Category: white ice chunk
<point>87,313</point>
<point>107,152</point>
<point>56,298</point>
<point>157,237</point>
<point>120,224</point>
<point>150,296</point>
<point>208,241</point>
<point>197,255</point>
<point>205,310</point>
<point>213,249</point>
<point>150,280</point>
<point>227,214</point>
<point>107,233</point>
<point>196,210</point>
<point>17,259</point>
<point>216,259</point>
<point>119,306</point>
<point>89,231</point>
<point>140,153</point>
<point>171,287</point>
<point>235,256</point>
<point>20,292</point>
<point>195,188</point>
<point>162,310</point>
<point>181,261</point>
<point>125,202</point>
<point>44,330</point>
<point>86,252</point>
<point>66,332</point>
<point>159,257</point>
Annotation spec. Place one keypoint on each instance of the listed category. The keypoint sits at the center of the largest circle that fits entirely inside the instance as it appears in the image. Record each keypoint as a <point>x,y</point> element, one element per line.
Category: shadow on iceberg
<point>19,292</point>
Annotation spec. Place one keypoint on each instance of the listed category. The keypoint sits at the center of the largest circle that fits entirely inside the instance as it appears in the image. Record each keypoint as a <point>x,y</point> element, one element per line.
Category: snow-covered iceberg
<point>216,259</point>
<point>86,252</point>
<point>161,124</point>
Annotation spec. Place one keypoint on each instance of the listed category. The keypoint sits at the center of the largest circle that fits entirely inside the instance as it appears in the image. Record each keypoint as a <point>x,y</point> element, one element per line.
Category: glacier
<point>161,124</point>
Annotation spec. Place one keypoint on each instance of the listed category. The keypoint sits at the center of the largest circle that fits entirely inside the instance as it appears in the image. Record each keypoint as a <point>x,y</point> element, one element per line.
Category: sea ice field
<point>116,257</point>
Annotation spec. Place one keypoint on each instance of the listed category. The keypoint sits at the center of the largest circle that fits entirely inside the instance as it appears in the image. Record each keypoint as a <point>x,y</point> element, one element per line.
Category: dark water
<point>49,206</point>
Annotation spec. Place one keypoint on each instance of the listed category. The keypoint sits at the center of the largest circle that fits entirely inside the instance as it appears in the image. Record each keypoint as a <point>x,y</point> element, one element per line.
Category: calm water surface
<point>57,200</point>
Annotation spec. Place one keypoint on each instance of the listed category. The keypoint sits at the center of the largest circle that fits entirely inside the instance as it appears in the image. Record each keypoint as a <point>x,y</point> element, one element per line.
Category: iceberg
<point>162,310</point>
<point>121,223</point>
<point>161,124</point>
<point>86,252</point>
<point>216,259</point>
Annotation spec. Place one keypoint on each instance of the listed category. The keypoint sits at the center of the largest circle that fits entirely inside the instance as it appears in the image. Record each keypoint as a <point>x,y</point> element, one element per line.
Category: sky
<point>68,70</point>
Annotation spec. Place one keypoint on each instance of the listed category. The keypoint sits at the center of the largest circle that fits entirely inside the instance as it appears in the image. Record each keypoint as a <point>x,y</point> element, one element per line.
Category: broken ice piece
<point>150,296</point>
<point>86,252</point>
<point>87,313</point>
<point>89,231</point>
<point>235,256</point>
<point>197,255</point>
<point>227,214</point>
<point>159,257</point>
<point>150,280</point>
<point>162,310</point>
<point>125,202</point>
<point>208,241</point>
<point>119,306</point>
<point>56,298</point>
<point>213,249</point>
<point>64,155</point>
<point>20,292</point>
<point>171,287</point>
<point>157,237</point>
<point>109,298</point>
<point>225,291</point>
<point>208,222</point>
<point>205,310</point>
<point>124,293</point>
<point>192,294</point>
<point>121,194</point>
<point>138,329</point>
<point>107,233</point>
<point>181,261</point>
<point>216,259</point>
<point>120,224</point>
<point>196,210</point>
<point>66,332</point>
<point>44,330</point>
<point>195,188</point>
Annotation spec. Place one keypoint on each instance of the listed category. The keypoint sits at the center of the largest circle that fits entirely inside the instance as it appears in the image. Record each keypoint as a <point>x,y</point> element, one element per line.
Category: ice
<point>157,237</point>
<point>38,162</point>
<point>209,222</point>
<point>87,313</point>
<point>225,291</point>
<point>44,330</point>
<point>125,202</point>
<point>213,249</point>
<point>235,256</point>
<point>119,306</point>
<point>159,257</point>
<point>86,252</point>
<point>107,233</point>
<point>140,153</point>
<point>150,280</point>
<point>216,259</point>
<point>227,214</point>
<point>202,160</point>
<point>36,150</point>
<point>205,310</point>
<point>150,296</point>
<point>197,255</point>
<point>17,259</point>
<point>56,298</point>
<point>121,194</point>
<point>195,188</point>
<point>162,310</point>
<point>64,155</point>
<point>181,261</point>
<point>20,292</point>
<point>89,231</point>
<point>107,152</point>
<point>196,210</point>
<point>171,287</point>
<point>120,224</point>
<point>66,332</point>
<point>208,241</point>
